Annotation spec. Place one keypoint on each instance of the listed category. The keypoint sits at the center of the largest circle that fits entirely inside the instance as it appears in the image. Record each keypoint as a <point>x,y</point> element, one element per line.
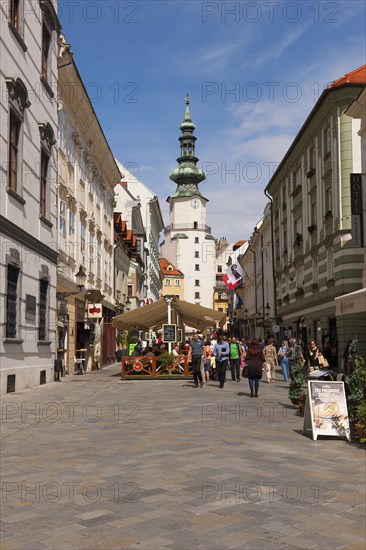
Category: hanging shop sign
<point>95,311</point>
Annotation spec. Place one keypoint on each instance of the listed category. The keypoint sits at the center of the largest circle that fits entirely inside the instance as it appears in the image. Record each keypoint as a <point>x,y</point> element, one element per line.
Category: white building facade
<point>28,219</point>
<point>153,224</point>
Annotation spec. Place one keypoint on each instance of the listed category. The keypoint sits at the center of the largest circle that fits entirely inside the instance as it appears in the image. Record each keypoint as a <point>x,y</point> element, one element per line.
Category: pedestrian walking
<point>235,353</point>
<point>195,356</point>
<point>221,353</point>
<point>207,354</point>
<point>270,355</point>
<point>254,360</point>
<point>283,359</point>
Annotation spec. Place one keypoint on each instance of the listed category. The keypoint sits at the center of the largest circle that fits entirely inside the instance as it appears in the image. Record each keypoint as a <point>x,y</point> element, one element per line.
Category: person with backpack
<point>235,355</point>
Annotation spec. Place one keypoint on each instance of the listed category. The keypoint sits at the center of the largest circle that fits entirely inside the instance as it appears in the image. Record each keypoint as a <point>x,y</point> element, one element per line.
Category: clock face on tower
<point>195,203</point>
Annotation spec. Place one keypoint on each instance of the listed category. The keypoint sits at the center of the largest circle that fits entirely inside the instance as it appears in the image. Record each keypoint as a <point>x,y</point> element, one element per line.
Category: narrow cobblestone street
<point>97,462</point>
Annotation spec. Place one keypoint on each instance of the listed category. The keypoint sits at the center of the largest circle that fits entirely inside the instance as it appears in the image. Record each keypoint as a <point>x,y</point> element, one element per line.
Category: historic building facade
<point>173,280</point>
<point>28,218</point>
<point>189,244</point>
<point>87,175</point>
<point>315,260</point>
<point>153,224</point>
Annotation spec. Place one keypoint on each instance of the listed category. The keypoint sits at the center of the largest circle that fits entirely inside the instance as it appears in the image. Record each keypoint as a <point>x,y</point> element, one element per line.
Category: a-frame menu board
<point>326,410</point>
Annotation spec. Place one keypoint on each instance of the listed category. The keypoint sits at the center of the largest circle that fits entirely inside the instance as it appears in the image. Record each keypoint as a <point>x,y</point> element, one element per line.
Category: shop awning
<point>156,314</point>
<point>354,302</point>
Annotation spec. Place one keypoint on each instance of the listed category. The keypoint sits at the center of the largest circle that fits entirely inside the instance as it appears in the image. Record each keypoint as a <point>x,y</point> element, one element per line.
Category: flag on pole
<point>233,275</point>
<point>239,303</point>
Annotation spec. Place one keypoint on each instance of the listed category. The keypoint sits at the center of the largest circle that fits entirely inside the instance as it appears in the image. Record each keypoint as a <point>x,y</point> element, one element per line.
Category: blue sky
<point>254,70</point>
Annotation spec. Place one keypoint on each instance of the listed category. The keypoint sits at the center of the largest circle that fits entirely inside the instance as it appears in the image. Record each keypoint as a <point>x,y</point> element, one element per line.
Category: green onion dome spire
<point>187,176</point>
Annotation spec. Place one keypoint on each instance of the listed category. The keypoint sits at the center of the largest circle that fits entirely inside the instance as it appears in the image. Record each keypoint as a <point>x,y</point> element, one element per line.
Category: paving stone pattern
<point>96,462</point>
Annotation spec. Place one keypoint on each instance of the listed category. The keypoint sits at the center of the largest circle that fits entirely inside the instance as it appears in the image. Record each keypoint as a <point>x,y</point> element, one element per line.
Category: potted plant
<point>302,403</point>
<point>356,400</point>
<point>166,360</point>
<point>297,377</point>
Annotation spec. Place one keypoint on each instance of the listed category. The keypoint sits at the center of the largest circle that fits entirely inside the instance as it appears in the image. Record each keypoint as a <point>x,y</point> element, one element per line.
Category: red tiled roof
<point>358,76</point>
<point>164,264</point>
<point>238,244</point>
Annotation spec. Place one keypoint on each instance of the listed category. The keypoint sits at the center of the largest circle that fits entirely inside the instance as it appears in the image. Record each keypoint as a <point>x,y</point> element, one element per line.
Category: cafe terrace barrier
<point>150,367</point>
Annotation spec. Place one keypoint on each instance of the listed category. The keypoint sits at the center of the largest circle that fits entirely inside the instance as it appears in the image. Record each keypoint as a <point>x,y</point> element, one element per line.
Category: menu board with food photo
<point>326,410</point>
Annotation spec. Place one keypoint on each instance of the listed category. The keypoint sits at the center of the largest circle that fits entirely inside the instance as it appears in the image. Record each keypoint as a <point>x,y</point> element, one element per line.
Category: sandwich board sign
<point>326,410</point>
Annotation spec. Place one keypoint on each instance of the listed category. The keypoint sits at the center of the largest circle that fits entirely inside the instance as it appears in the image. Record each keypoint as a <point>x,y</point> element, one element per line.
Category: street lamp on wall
<point>80,281</point>
<point>128,304</point>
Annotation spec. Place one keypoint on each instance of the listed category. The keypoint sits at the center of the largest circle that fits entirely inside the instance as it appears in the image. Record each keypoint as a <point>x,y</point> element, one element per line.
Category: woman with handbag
<point>254,360</point>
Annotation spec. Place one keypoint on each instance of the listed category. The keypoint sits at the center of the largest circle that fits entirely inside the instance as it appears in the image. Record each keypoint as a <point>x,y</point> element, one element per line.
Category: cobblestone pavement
<point>97,462</point>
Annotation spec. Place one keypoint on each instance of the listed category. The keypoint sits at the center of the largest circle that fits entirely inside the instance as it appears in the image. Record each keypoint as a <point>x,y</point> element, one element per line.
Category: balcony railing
<point>186,227</point>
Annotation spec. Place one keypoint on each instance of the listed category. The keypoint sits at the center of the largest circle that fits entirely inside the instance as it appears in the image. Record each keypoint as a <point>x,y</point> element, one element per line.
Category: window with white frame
<point>71,224</point>
<point>82,174</point>
<point>90,181</point>
<point>70,144</point>
<point>82,238</point>
<point>177,282</point>
<point>326,140</point>
<point>91,251</point>
<point>62,221</point>
<point>99,260</point>
<point>167,282</point>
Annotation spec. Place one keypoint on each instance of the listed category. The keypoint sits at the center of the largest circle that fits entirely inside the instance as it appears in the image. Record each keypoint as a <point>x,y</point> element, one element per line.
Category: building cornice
<point>13,231</point>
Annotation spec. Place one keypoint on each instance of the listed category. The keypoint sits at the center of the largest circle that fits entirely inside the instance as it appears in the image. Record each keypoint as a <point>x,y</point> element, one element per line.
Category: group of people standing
<point>260,359</point>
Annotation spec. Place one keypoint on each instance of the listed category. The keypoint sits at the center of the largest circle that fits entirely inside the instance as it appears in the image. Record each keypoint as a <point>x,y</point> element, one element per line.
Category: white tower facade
<point>189,244</point>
